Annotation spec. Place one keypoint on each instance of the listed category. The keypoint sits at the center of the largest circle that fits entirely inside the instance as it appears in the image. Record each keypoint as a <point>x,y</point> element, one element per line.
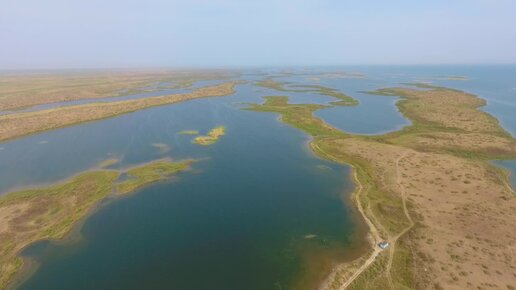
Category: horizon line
<point>240,67</point>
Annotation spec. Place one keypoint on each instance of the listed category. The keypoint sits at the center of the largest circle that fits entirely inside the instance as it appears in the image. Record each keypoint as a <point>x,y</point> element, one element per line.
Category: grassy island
<point>429,189</point>
<point>50,212</point>
<point>212,137</point>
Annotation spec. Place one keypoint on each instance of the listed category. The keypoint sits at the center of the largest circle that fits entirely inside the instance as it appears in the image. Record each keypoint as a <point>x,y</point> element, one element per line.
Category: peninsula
<point>21,124</point>
<point>429,189</point>
<point>50,212</point>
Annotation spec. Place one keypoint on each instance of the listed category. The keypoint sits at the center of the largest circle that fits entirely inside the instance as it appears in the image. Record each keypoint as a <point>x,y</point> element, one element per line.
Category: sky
<point>49,34</point>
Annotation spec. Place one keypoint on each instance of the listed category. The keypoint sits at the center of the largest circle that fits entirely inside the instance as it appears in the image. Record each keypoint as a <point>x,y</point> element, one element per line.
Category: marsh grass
<point>143,175</point>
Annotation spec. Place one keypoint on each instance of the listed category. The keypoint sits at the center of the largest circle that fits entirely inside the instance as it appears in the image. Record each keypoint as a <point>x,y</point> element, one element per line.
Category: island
<point>50,212</point>
<point>212,137</point>
<point>429,194</point>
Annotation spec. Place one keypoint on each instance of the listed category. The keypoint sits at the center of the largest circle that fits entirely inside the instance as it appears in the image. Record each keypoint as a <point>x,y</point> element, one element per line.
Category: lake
<point>257,210</point>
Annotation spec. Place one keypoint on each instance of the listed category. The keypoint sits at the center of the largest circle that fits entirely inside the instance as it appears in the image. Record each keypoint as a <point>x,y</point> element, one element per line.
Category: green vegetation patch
<point>373,278</point>
<point>403,259</point>
<point>344,100</point>
<point>212,137</point>
<point>297,115</point>
<point>47,213</point>
<point>149,173</point>
<point>50,212</point>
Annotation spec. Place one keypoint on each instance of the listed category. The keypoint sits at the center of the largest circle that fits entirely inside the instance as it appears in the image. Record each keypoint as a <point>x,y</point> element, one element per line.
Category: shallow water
<point>239,218</point>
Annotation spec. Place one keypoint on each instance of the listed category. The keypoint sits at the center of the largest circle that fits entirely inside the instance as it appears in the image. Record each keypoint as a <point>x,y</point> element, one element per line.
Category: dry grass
<point>460,234</point>
<point>20,124</point>
<point>29,89</point>
<point>460,143</point>
<point>451,110</point>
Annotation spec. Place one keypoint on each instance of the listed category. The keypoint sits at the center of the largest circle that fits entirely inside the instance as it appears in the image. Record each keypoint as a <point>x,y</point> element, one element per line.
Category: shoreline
<point>449,168</point>
<point>372,234</point>
<point>61,224</point>
<point>19,125</point>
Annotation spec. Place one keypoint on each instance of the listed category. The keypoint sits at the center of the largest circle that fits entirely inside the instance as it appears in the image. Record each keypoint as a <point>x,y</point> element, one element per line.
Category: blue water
<point>239,218</point>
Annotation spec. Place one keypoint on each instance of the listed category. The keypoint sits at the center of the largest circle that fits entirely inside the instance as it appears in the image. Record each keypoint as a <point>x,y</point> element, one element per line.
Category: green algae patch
<point>149,173</point>
<point>212,137</point>
<point>189,132</point>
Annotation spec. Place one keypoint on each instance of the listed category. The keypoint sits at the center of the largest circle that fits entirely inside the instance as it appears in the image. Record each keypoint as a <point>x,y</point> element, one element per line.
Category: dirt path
<point>394,239</point>
<point>375,235</point>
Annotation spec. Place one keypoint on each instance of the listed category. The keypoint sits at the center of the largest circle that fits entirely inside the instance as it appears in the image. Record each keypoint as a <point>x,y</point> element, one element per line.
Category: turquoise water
<point>239,218</point>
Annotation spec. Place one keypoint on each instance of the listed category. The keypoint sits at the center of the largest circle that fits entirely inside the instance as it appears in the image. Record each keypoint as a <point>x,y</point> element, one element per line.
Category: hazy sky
<point>205,33</point>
